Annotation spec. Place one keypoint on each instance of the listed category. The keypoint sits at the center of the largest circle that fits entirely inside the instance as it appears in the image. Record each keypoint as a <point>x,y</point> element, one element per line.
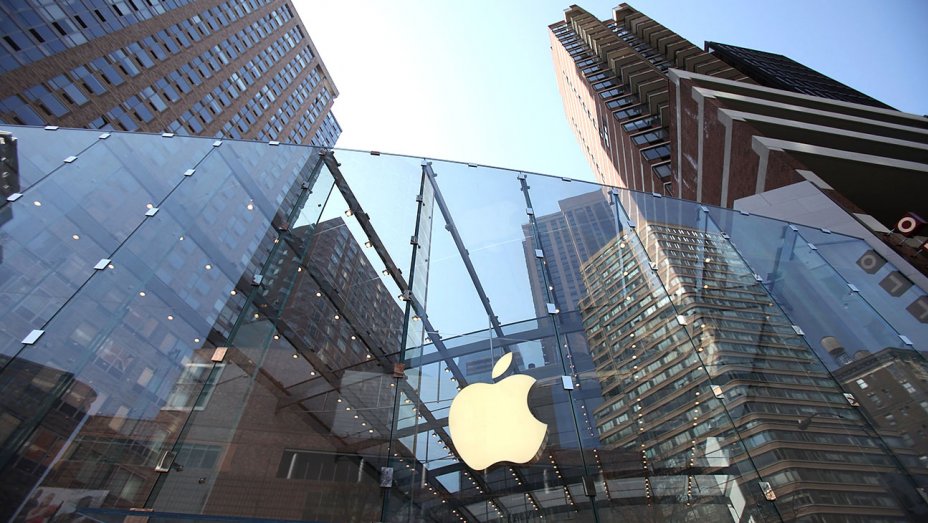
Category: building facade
<point>778,398</point>
<point>732,126</point>
<point>261,332</point>
<point>612,76</point>
<point>211,68</point>
<point>655,113</point>
<point>780,72</point>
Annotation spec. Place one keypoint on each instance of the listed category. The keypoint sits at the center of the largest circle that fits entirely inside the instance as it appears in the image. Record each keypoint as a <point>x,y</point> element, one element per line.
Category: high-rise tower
<point>612,76</point>
<point>212,68</point>
<point>727,125</point>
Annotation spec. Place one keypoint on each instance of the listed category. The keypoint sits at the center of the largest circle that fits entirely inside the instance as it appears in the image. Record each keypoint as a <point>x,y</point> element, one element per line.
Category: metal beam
<point>462,250</point>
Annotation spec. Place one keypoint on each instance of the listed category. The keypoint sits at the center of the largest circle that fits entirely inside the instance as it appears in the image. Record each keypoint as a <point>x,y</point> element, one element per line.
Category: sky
<point>473,81</point>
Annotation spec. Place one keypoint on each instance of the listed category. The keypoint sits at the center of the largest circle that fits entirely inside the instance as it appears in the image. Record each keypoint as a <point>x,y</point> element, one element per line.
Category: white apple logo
<point>490,423</point>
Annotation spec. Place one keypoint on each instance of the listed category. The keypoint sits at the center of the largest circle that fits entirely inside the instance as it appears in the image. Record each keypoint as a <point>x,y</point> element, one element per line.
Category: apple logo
<point>491,423</point>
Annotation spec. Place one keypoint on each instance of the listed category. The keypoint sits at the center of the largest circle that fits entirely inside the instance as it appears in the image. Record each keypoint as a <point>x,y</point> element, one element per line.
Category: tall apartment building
<point>212,68</point>
<point>583,224</point>
<point>685,340</point>
<point>727,126</point>
<point>781,72</point>
<point>612,76</point>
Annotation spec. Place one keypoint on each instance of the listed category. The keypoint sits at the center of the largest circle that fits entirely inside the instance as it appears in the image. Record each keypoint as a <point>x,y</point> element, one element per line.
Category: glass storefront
<point>204,330</point>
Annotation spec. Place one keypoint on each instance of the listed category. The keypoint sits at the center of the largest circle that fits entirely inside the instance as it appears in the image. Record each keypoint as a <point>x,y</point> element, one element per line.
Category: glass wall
<point>200,330</point>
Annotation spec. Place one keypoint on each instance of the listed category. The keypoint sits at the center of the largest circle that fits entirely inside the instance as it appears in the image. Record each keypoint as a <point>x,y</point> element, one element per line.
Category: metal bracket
<point>33,336</point>
<point>166,461</point>
<point>219,354</point>
<point>767,490</point>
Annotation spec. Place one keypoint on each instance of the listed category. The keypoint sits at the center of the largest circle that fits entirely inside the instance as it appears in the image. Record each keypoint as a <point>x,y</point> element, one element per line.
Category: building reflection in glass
<point>208,333</point>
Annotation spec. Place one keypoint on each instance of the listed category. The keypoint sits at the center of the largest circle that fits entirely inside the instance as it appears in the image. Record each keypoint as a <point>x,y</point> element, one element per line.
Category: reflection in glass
<point>252,351</point>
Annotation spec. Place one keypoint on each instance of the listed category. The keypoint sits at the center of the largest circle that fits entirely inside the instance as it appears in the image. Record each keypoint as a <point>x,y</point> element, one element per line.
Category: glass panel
<point>36,160</point>
<point>577,352</point>
<point>128,357</point>
<point>54,235</point>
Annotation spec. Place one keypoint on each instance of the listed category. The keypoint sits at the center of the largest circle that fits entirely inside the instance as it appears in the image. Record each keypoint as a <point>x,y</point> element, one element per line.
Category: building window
<point>652,137</point>
<point>662,171</point>
<point>622,102</point>
<point>640,124</point>
<point>661,152</point>
<point>625,114</point>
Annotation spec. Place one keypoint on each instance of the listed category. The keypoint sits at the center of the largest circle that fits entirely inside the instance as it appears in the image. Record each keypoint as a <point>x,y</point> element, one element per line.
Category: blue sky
<point>473,81</point>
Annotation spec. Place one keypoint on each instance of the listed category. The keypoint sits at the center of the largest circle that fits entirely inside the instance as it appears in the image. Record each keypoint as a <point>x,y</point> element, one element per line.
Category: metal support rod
<point>465,257</point>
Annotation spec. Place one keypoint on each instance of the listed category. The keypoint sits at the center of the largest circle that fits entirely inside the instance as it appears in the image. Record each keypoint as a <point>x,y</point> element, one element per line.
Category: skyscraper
<point>747,357</point>
<point>724,127</point>
<point>612,76</point>
<point>212,68</point>
<point>780,72</point>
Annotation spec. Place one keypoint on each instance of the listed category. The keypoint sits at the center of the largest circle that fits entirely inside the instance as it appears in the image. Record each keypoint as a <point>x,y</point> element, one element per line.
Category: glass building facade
<point>201,330</point>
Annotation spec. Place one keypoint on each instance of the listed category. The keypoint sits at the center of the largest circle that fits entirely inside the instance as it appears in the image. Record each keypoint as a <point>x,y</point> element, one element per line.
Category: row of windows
<point>328,132</point>
<point>650,137</point>
<point>642,48</point>
<point>103,71</point>
<point>35,32</point>
<point>247,75</point>
<point>309,117</point>
<point>253,108</point>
